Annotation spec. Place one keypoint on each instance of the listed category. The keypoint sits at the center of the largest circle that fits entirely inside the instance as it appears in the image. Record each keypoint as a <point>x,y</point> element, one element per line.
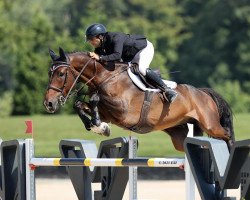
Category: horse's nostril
<point>50,104</point>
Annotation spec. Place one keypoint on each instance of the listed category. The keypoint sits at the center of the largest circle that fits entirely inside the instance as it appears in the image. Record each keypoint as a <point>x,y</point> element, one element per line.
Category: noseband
<point>59,64</point>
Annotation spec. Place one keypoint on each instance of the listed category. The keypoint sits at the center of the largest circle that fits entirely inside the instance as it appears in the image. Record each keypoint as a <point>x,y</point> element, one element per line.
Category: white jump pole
<point>30,175</point>
<point>189,179</point>
<point>132,170</point>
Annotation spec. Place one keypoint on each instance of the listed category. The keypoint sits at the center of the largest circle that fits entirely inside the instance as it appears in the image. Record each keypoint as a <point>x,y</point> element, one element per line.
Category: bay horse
<point>117,100</point>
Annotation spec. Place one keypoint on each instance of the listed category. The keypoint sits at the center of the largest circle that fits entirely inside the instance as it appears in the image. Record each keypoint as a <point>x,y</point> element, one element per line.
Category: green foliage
<point>208,41</point>
<point>160,21</point>
<point>219,35</point>
<point>232,92</point>
<point>6,104</point>
<point>29,52</point>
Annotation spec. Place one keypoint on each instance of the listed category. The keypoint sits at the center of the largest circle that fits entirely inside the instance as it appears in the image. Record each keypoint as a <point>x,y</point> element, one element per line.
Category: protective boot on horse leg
<point>99,127</point>
<point>156,80</point>
<point>83,116</point>
<point>94,123</point>
<point>95,118</point>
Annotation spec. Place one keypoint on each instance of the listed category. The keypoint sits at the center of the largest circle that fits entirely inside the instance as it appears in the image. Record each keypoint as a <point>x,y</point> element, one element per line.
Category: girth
<point>142,126</point>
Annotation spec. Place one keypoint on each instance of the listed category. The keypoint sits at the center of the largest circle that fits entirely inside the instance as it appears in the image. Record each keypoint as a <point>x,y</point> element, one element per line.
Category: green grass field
<point>50,129</point>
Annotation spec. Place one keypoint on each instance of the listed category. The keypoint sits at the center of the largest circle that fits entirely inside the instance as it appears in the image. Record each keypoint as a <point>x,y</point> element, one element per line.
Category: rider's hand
<point>94,55</point>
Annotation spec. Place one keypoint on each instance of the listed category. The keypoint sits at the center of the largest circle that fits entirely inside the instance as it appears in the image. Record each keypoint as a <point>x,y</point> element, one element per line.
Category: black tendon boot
<point>168,93</point>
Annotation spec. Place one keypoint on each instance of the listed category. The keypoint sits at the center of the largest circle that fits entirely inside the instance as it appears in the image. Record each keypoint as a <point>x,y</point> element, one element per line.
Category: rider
<point>114,46</point>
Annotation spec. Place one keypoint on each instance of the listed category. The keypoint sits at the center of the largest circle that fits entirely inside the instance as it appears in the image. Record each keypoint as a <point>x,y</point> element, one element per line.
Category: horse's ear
<point>62,54</point>
<point>52,54</point>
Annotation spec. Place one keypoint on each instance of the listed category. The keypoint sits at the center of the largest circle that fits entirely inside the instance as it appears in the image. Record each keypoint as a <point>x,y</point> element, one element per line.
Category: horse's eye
<point>61,74</point>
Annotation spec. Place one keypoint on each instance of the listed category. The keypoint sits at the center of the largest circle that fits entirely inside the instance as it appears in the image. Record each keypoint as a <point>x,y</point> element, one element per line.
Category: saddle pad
<point>137,81</point>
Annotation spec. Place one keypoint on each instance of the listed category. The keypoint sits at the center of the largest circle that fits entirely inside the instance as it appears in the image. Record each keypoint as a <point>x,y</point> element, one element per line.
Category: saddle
<point>142,126</point>
<point>142,83</point>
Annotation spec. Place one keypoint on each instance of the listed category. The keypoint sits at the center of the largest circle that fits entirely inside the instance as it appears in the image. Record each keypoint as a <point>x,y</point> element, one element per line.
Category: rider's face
<point>95,42</point>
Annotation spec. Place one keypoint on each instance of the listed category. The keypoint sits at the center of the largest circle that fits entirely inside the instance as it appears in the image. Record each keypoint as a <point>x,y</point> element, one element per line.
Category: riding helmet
<point>94,30</point>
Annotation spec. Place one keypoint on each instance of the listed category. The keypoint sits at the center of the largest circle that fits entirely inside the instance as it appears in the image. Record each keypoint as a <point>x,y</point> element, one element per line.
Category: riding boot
<point>156,80</point>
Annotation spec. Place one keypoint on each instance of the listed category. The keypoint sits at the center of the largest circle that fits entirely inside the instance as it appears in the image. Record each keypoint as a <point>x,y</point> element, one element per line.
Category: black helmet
<point>94,30</point>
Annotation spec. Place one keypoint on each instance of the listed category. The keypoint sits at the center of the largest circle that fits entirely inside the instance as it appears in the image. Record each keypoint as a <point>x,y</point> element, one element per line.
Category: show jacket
<point>117,46</point>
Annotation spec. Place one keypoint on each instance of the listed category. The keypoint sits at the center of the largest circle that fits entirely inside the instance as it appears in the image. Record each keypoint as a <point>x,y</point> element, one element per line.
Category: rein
<point>107,78</point>
<point>58,64</point>
<point>76,79</point>
<point>63,99</point>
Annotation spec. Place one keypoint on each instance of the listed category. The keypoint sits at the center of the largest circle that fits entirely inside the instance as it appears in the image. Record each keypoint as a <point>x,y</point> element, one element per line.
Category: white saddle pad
<point>137,81</point>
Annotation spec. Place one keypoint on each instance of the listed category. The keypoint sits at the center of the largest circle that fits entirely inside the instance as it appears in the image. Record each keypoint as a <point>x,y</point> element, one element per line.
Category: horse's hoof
<point>103,129</point>
<point>88,128</point>
<point>107,130</point>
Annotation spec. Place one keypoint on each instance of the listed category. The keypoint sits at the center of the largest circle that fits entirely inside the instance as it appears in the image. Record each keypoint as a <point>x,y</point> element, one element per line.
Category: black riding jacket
<point>117,46</point>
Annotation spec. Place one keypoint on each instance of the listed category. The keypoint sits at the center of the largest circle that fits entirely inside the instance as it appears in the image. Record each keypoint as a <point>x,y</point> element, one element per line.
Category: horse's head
<point>68,69</point>
<point>61,78</point>
<point>63,75</point>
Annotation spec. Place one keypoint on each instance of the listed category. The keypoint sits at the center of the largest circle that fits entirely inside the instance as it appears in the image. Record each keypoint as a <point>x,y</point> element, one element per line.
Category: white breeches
<point>144,57</point>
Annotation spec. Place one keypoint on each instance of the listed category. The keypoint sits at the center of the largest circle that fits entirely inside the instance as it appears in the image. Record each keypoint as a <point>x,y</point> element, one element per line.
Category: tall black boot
<point>168,93</point>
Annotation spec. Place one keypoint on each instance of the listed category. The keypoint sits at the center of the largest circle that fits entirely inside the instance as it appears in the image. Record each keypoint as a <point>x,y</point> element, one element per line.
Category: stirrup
<point>170,100</point>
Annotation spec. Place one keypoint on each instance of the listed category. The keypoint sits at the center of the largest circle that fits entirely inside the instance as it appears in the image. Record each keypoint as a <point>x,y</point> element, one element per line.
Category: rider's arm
<point>117,42</point>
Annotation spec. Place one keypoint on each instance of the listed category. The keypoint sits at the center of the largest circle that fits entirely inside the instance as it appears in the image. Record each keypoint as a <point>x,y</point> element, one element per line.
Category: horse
<point>116,99</point>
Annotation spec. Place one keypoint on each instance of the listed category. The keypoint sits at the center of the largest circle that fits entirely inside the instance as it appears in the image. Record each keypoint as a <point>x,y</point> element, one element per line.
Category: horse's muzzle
<point>51,106</point>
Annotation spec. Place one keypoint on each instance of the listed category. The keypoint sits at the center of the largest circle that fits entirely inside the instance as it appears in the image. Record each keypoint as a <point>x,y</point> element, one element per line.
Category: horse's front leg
<point>98,126</point>
<point>78,106</point>
<point>95,117</point>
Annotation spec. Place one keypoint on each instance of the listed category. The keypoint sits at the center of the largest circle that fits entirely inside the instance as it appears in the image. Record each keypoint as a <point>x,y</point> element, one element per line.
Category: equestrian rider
<point>114,46</point>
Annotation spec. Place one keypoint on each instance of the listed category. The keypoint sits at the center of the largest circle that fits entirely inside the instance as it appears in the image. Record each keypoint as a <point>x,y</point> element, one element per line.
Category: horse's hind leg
<point>178,135</point>
<point>213,128</point>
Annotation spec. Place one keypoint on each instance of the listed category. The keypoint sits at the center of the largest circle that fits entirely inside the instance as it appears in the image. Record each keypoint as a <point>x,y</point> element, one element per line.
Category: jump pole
<point>189,178</point>
<point>132,163</point>
<point>106,162</point>
<point>30,174</point>
<point>32,162</point>
<point>132,170</point>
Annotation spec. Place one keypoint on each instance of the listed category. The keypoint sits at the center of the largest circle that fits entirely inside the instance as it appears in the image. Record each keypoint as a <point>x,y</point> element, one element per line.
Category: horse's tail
<point>225,112</point>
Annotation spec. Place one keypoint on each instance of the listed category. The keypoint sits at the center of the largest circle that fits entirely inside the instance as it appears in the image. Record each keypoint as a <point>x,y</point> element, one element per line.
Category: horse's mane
<point>78,52</point>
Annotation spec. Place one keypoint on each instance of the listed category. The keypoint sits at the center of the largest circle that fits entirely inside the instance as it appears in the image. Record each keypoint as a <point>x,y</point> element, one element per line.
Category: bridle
<point>59,64</point>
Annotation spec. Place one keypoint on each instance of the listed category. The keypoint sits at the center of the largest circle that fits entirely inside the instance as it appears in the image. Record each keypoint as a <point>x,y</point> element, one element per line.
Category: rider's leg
<point>170,94</point>
<point>143,58</point>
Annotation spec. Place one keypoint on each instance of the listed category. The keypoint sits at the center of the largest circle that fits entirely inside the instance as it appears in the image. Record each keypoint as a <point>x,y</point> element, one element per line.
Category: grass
<point>50,129</point>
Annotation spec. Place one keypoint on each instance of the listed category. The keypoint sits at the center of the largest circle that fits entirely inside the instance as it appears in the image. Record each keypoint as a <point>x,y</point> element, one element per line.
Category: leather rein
<point>59,64</point>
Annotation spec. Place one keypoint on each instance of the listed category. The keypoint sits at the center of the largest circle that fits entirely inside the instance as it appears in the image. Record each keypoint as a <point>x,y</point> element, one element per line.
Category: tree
<point>160,21</point>
<point>35,34</point>
<point>217,50</point>
<point>219,35</point>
